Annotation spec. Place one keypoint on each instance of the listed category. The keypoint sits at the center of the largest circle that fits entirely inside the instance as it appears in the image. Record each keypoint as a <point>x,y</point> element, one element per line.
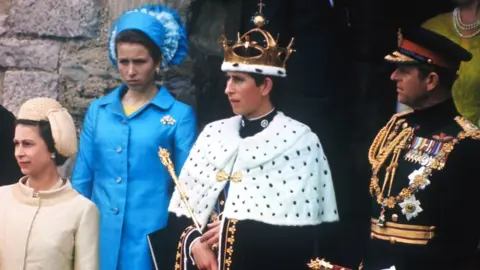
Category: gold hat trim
<point>398,57</point>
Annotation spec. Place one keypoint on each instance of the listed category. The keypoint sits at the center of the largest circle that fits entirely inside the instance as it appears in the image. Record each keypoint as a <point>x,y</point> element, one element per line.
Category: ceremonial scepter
<point>167,162</point>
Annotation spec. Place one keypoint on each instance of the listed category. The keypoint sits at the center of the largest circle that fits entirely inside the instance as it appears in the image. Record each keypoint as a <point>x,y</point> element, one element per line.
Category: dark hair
<point>275,94</point>
<point>446,76</point>
<point>46,135</point>
<point>138,37</point>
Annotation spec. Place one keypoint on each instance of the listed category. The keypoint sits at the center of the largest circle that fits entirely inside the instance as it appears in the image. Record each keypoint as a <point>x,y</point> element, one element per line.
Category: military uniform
<point>424,170</point>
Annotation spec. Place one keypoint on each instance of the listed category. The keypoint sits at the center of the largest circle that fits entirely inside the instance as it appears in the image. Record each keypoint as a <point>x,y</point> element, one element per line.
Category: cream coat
<point>47,230</point>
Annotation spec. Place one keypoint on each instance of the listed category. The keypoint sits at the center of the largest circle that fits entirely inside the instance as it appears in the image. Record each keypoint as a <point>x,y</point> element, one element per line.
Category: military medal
<point>411,207</point>
<point>432,154</point>
<point>423,151</point>
<point>417,178</point>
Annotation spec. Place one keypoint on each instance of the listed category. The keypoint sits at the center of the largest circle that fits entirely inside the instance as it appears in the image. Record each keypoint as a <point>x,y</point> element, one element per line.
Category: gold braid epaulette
<point>382,135</point>
<point>469,129</point>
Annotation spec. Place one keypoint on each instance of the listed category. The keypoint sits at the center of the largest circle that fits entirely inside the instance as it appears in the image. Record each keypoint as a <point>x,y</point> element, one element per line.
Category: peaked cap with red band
<point>420,45</point>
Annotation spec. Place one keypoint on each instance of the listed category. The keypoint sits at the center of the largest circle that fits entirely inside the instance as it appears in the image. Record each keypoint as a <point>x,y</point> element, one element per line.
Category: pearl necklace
<point>459,26</point>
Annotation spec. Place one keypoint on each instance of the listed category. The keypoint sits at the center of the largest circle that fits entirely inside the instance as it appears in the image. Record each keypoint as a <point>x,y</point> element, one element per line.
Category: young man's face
<point>411,89</point>
<point>246,98</point>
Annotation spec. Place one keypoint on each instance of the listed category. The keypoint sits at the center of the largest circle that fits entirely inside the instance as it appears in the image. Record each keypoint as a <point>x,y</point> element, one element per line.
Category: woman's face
<point>31,151</point>
<point>136,66</point>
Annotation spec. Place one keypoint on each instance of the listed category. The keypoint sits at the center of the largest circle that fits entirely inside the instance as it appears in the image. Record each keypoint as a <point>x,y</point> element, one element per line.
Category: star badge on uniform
<point>417,178</point>
<point>411,207</point>
<point>168,120</point>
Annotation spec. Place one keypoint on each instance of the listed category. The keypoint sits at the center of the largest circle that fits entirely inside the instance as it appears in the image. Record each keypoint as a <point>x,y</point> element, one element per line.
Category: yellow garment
<point>130,109</point>
<point>466,90</point>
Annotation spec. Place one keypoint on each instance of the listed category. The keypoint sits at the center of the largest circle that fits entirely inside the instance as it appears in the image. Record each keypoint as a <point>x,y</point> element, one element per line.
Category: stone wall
<point>42,42</point>
<point>58,49</point>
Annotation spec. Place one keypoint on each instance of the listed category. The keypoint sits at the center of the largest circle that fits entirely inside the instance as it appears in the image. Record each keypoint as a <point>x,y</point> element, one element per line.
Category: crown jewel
<point>262,57</point>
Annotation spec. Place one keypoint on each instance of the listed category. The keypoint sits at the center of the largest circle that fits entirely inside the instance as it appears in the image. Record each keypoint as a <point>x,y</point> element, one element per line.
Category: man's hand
<point>204,257</point>
<point>212,236</point>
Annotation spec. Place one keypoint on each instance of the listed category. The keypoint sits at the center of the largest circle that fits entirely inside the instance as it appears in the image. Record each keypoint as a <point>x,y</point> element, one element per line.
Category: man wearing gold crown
<point>424,165</point>
<point>258,183</point>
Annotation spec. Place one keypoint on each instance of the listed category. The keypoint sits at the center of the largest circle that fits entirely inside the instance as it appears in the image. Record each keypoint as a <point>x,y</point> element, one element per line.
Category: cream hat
<point>61,122</point>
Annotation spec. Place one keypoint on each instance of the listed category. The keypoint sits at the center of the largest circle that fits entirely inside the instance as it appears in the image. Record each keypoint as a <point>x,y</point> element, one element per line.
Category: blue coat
<point>119,169</point>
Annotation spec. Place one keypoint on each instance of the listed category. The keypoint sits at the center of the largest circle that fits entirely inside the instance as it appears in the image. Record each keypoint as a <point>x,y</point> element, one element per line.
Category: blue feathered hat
<point>159,23</point>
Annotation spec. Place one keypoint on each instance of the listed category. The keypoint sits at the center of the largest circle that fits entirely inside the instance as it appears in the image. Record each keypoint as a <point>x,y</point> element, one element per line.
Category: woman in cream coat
<point>44,223</point>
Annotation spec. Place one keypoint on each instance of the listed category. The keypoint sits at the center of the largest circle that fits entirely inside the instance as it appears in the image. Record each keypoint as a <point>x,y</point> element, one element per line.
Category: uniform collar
<point>440,111</point>
<point>431,119</point>
<point>250,127</point>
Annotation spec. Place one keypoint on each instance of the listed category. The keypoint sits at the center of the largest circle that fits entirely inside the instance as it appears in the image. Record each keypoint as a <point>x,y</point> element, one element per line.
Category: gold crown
<point>246,55</point>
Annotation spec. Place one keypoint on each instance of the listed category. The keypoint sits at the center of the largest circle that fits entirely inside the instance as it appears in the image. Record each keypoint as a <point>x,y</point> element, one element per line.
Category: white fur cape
<point>285,178</point>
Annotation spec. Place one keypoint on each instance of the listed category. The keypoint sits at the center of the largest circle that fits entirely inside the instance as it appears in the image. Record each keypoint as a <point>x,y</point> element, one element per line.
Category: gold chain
<point>396,146</point>
<point>387,142</point>
<point>377,160</point>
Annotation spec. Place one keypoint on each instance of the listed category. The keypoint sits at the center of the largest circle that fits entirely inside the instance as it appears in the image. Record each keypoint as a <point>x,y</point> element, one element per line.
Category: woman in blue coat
<point>117,165</point>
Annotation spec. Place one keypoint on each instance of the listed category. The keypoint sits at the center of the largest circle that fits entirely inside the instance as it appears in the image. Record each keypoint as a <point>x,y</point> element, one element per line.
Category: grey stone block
<point>19,86</point>
<point>85,74</point>
<point>42,54</point>
<point>65,18</point>
<point>3,20</point>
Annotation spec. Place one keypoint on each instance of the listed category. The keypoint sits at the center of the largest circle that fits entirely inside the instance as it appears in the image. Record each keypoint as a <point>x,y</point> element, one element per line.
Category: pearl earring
<point>53,156</point>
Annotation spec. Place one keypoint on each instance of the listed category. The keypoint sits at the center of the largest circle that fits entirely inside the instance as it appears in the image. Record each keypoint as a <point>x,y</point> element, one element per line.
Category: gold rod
<point>167,162</point>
